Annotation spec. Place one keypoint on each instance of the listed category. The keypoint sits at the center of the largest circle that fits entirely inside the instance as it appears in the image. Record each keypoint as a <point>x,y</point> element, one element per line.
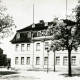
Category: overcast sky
<point>22,13</point>
<point>22,10</point>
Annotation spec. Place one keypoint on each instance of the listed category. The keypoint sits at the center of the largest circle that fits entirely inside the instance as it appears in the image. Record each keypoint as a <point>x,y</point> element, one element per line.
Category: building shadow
<point>8,72</point>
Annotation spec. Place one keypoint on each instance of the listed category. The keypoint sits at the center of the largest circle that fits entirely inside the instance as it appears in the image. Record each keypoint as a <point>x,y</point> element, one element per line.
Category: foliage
<point>6,23</point>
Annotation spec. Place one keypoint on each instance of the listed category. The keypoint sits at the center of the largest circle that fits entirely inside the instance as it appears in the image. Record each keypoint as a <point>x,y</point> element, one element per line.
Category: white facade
<point>35,55</point>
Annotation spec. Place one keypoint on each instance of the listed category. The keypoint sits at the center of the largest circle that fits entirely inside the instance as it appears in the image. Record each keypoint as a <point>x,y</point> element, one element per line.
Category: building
<point>31,44</point>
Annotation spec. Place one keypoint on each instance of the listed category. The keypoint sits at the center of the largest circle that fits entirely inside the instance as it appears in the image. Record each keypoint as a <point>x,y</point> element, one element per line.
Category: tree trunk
<point>54,61</point>
<point>69,63</point>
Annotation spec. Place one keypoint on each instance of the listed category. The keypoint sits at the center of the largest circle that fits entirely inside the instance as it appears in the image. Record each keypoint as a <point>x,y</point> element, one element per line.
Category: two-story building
<point>30,48</point>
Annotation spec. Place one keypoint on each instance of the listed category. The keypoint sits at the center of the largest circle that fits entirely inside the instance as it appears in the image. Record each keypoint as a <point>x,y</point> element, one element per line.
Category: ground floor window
<point>73,61</point>
<point>16,60</point>
<point>45,60</point>
<point>22,60</point>
<point>57,60</point>
<point>65,60</point>
<point>37,60</point>
<point>28,61</point>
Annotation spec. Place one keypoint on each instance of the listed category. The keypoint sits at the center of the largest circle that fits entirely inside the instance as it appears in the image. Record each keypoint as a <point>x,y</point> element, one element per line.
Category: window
<point>57,60</point>
<point>39,33</point>
<point>43,33</point>
<point>17,47</point>
<point>29,34</point>
<point>17,35</point>
<point>46,45</point>
<point>73,60</point>
<point>37,60</point>
<point>28,61</point>
<point>45,60</point>
<point>28,46</point>
<point>22,60</point>
<point>22,47</point>
<point>37,46</point>
<point>16,60</point>
<point>65,60</point>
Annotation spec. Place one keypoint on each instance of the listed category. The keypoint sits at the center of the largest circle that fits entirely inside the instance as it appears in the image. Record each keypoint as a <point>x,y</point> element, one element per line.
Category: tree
<point>55,46</point>
<point>6,23</point>
<point>65,31</point>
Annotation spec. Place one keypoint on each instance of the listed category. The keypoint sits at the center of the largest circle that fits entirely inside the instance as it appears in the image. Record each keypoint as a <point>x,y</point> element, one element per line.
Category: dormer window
<point>39,33</point>
<point>18,36</point>
<point>46,24</point>
<point>29,34</point>
<point>33,25</point>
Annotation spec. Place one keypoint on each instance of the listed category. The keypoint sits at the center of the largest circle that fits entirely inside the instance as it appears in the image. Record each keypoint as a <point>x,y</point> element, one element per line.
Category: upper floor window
<point>22,47</point>
<point>39,33</point>
<point>73,60</point>
<point>45,60</point>
<point>17,47</point>
<point>46,45</point>
<point>65,60</point>
<point>28,46</point>
<point>37,46</point>
<point>17,35</point>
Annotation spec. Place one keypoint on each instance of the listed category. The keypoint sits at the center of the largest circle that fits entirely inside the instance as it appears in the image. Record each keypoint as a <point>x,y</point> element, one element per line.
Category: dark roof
<point>23,38</point>
<point>69,22</point>
<point>38,26</point>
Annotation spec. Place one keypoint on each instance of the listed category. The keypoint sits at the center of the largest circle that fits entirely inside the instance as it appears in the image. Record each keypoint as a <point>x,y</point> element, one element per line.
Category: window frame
<point>37,60</point>
<point>22,60</point>
<point>16,60</point>
<point>28,60</point>
<point>45,60</point>
<point>65,61</point>
<point>16,47</point>
<point>28,46</point>
<point>37,46</point>
<point>58,60</point>
<point>73,60</point>
<point>22,47</point>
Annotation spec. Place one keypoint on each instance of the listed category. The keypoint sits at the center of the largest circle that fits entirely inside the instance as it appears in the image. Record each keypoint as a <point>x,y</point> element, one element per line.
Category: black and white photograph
<point>39,39</point>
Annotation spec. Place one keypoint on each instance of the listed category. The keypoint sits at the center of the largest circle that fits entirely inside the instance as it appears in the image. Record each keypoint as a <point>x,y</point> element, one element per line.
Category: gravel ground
<point>37,75</point>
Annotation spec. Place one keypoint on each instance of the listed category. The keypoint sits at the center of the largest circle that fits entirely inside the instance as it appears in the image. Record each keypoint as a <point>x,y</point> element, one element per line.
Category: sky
<point>22,13</point>
<point>22,10</point>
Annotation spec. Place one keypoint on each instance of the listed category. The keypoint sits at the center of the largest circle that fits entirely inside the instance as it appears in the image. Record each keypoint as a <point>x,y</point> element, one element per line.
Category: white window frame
<point>16,60</point>
<point>22,47</point>
<point>45,60</point>
<point>57,60</point>
<point>22,60</point>
<point>37,46</point>
<point>73,60</point>
<point>28,61</point>
<point>28,46</point>
<point>46,45</point>
<point>16,47</point>
<point>37,60</point>
<point>65,60</point>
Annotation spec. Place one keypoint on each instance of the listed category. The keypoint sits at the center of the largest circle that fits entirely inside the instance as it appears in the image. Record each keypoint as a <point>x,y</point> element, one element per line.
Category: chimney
<point>41,21</point>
